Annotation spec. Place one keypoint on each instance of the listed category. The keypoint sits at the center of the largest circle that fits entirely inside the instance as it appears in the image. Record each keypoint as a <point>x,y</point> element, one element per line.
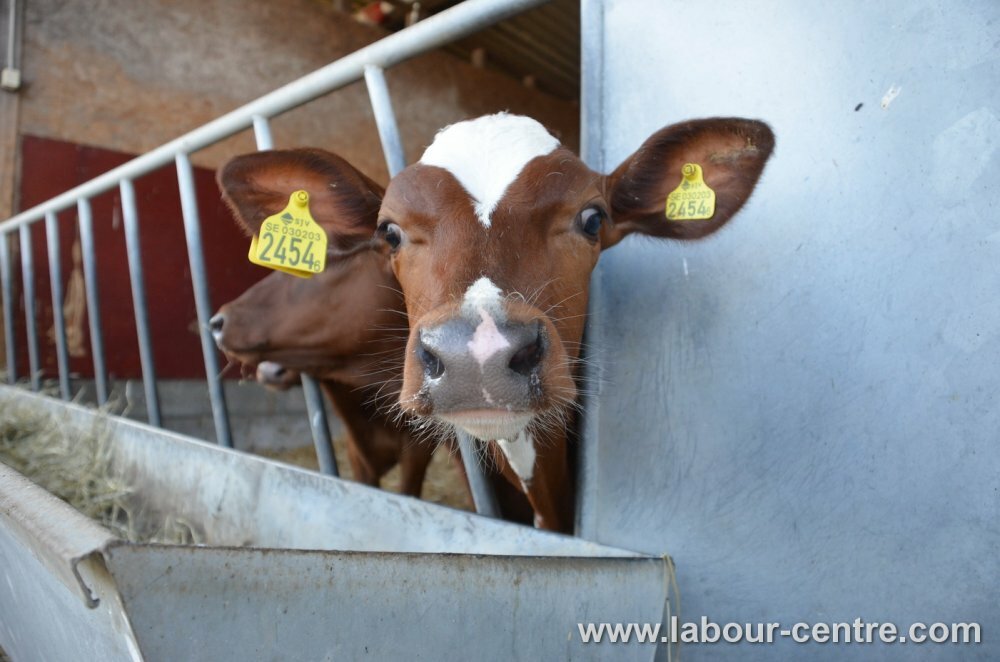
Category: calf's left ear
<point>731,153</point>
<point>342,200</point>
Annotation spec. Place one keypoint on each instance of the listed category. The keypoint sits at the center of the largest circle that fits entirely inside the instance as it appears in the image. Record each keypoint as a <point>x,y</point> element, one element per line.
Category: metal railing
<point>368,63</point>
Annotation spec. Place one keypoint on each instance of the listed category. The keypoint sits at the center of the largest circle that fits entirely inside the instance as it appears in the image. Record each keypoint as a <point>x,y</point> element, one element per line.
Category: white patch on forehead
<point>487,154</point>
<point>520,453</point>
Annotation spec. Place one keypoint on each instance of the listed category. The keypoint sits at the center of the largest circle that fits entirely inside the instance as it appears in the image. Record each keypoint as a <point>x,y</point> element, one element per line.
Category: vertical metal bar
<point>28,290</point>
<point>130,214</point>
<point>93,298</point>
<point>385,119</point>
<point>483,496</point>
<point>592,83</point>
<point>392,146</point>
<point>58,320</point>
<point>11,35</point>
<point>592,38</point>
<point>319,425</point>
<point>262,132</point>
<point>6,279</point>
<point>203,306</point>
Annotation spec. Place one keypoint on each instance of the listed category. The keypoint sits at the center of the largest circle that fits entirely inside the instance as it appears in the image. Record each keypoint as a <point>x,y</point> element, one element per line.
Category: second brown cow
<point>346,326</point>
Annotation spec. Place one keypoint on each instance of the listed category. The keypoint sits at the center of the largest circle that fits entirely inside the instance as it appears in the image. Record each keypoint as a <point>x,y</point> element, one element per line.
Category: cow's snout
<point>216,325</point>
<point>483,364</point>
<point>276,376</point>
<point>233,333</point>
<point>489,364</point>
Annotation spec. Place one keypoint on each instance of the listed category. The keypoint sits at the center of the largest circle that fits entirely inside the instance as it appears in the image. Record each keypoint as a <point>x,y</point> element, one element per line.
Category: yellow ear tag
<point>692,200</point>
<point>291,240</point>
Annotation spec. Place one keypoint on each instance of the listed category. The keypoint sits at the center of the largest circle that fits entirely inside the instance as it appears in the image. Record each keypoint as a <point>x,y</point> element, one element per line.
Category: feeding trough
<point>293,565</point>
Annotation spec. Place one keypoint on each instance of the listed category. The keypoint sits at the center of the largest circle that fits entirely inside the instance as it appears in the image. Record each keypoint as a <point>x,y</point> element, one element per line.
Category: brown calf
<point>493,236</point>
<point>346,326</point>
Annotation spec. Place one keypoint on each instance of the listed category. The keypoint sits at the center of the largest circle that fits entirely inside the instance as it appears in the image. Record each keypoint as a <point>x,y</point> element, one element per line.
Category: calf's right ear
<point>342,200</point>
<point>731,153</point>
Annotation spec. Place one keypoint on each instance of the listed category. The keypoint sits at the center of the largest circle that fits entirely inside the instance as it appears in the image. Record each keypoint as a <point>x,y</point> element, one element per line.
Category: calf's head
<point>336,325</point>
<point>493,235</point>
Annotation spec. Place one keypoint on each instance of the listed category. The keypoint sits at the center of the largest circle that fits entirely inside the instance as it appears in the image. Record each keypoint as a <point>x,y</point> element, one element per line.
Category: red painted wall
<point>50,167</point>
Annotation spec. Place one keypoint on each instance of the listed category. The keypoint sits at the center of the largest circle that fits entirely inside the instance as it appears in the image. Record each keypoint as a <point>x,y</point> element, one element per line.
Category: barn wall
<point>105,81</point>
<point>130,76</point>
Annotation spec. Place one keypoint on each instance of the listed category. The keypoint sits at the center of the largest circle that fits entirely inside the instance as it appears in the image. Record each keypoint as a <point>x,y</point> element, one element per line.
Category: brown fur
<point>345,326</point>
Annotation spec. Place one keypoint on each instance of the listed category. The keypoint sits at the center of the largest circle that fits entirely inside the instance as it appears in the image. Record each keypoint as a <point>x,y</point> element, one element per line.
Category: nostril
<point>527,358</point>
<point>270,371</point>
<point>433,365</point>
<point>216,323</point>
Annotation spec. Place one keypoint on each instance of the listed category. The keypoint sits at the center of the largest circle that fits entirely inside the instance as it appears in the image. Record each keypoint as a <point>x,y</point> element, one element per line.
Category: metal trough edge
<point>57,535</point>
<point>242,492</point>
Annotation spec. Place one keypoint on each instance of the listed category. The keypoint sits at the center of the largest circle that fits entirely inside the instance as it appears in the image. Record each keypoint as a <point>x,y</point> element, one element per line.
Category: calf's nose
<point>271,373</point>
<point>215,325</point>
<point>485,365</point>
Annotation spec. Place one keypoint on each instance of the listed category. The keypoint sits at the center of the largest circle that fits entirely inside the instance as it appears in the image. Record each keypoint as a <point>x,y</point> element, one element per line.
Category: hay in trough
<point>76,466</point>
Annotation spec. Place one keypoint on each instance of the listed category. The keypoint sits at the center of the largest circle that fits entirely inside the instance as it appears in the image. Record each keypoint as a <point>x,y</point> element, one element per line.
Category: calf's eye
<point>391,233</point>
<point>590,220</point>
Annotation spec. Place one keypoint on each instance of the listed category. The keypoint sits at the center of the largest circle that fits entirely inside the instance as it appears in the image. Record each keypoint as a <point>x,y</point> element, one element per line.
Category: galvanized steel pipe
<point>385,119</point>
<point>203,306</point>
<point>483,496</point>
<point>93,298</point>
<point>28,290</point>
<point>447,26</point>
<point>319,425</point>
<point>133,247</point>
<point>6,280</point>
<point>58,319</point>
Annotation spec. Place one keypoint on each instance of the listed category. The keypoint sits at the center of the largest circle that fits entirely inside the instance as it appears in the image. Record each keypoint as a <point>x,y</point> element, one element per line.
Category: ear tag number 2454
<point>692,200</point>
<point>291,240</point>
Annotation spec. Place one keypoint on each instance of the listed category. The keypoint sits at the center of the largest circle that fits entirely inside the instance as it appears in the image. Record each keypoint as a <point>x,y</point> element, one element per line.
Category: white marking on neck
<point>487,154</point>
<point>520,453</point>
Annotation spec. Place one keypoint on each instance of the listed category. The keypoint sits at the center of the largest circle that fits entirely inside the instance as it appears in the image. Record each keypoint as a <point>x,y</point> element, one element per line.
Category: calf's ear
<point>731,152</point>
<point>341,199</point>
